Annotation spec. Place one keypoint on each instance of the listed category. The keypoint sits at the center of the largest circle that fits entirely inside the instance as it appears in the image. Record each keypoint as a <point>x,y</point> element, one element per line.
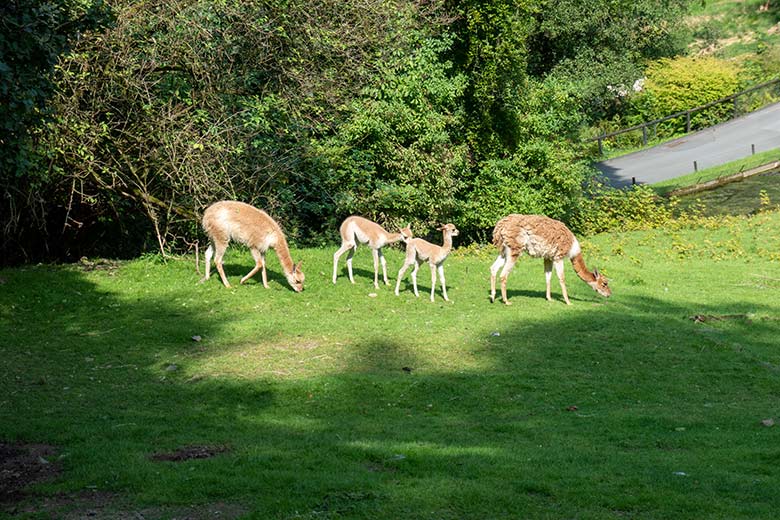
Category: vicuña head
<point>600,284</point>
<point>296,277</point>
<point>406,233</point>
<point>449,229</point>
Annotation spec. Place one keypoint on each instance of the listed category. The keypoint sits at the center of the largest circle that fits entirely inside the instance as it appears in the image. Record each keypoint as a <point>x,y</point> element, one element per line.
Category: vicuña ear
<point>298,266</point>
<point>596,272</point>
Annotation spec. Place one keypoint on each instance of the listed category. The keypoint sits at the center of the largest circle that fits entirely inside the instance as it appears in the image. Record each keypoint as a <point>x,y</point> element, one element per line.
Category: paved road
<point>711,147</point>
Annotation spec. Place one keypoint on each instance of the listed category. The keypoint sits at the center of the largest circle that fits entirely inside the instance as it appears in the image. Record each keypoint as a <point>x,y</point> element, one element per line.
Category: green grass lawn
<point>346,402</point>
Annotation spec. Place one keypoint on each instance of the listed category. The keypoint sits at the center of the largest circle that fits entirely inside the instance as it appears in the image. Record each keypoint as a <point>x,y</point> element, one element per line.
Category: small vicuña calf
<point>419,251</point>
<point>358,230</point>
<point>540,237</point>
<point>231,220</point>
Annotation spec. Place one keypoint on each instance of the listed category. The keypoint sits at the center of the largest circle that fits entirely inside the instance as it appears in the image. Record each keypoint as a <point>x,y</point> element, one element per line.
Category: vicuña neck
<point>581,270</point>
<point>447,245</point>
<point>393,237</point>
<point>283,253</point>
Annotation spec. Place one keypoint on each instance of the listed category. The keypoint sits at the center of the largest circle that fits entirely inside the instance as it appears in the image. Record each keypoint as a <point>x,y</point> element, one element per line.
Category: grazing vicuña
<point>231,220</point>
<point>540,237</point>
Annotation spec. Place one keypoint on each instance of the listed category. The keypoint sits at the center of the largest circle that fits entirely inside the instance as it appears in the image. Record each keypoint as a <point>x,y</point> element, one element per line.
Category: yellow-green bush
<point>676,84</point>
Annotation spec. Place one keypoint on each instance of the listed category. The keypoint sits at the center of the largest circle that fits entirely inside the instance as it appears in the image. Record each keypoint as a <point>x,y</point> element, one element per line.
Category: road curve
<point>714,146</point>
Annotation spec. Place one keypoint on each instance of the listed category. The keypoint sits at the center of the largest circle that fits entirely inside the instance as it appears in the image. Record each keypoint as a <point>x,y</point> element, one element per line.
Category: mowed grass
<point>349,402</point>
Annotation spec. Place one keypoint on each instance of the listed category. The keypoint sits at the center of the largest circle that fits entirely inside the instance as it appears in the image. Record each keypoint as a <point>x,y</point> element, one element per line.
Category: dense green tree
<point>493,54</point>
<point>459,110</point>
<point>398,157</point>
<point>603,43</point>
<point>33,36</point>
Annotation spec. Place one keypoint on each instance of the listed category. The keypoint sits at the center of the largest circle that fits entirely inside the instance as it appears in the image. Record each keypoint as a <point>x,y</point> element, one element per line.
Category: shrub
<point>606,209</point>
<point>678,84</point>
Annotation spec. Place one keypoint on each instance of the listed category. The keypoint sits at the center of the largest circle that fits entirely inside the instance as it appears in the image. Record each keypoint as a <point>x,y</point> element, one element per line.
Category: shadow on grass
<point>236,271</point>
<point>359,273</point>
<point>625,408</point>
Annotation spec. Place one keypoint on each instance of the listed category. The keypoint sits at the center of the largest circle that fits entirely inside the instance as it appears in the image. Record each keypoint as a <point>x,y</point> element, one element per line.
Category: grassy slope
<point>737,29</point>
<point>716,172</point>
<point>309,391</point>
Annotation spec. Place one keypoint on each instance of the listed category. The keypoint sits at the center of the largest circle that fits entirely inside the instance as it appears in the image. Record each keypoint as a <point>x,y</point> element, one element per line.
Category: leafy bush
<point>33,36</point>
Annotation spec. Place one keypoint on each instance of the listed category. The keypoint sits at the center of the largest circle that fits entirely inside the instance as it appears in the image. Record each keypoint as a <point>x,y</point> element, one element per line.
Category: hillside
<point>746,31</point>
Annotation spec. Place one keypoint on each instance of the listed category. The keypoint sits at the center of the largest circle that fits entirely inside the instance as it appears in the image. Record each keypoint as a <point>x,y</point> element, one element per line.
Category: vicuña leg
<point>258,256</point>
<point>508,266</point>
<point>350,254</point>
<point>209,255</point>
<point>433,280</point>
<point>384,266</point>
<point>443,282</point>
<point>414,278</point>
<point>561,278</point>
<point>264,275</point>
<point>500,261</point>
<point>343,249</point>
<point>401,273</point>
<point>548,276</point>
<point>219,252</point>
<point>375,254</point>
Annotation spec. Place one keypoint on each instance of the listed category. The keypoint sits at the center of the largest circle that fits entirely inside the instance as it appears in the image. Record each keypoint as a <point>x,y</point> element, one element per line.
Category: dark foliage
<point>119,135</point>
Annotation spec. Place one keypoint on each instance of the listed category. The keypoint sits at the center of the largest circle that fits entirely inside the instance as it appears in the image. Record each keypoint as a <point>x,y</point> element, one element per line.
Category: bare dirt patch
<point>100,505</point>
<point>189,453</point>
<point>707,49</point>
<point>22,465</point>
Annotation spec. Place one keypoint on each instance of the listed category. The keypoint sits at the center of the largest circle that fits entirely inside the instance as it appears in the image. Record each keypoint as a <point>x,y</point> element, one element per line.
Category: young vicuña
<point>540,237</point>
<point>358,230</point>
<point>231,220</point>
<point>419,251</point>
